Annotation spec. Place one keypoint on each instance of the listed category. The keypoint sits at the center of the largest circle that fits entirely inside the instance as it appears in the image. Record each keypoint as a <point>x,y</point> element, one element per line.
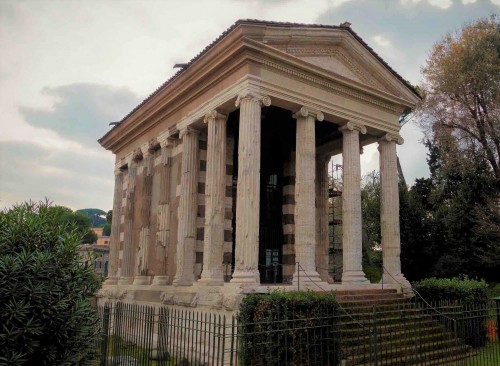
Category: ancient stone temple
<point>221,183</point>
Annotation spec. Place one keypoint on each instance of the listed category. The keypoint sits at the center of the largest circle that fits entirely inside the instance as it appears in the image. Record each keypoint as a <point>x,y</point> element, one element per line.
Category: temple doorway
<point>277,144</point>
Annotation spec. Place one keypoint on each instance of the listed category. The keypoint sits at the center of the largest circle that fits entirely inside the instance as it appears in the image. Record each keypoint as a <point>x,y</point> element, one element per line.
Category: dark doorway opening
<point>277,142</point>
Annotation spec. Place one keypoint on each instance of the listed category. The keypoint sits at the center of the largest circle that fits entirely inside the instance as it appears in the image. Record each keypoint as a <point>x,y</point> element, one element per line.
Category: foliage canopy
<point>47,317</point>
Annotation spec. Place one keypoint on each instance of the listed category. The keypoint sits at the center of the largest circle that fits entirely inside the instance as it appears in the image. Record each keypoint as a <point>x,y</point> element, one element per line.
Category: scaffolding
<point>335,221</point>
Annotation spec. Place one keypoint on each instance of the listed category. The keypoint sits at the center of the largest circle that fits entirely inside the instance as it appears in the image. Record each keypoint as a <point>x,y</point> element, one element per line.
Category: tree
<point>47,317</point>
<point>96,216</point>
<point>460,115</point>
<point>460,110</point>
<point>106,229</point>
<point>79,219</point>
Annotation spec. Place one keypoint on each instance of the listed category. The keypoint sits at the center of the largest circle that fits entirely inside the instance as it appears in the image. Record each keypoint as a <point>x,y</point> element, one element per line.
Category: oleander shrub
<point>295,328</point>
<point>472,297</point>
<point>46,314</point>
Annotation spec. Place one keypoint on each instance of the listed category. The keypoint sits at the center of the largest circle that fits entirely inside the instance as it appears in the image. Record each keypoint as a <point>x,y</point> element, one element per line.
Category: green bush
<point>296,328</point>
<point>46,315</point>
<point>470,294</point>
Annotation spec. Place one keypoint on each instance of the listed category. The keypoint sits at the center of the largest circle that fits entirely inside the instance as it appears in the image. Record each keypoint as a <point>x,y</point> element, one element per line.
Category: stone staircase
<point>382,327</point>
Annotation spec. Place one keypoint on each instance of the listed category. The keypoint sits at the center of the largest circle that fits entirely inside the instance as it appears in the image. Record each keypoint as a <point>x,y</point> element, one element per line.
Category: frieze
<point>330,86</point>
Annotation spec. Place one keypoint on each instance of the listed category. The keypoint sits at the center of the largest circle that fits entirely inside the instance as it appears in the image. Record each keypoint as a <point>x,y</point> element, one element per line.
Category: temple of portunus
<point>221,184</point>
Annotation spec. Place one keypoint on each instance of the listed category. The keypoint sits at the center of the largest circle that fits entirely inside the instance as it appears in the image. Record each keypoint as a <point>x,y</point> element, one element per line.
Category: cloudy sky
<point>68,68</point>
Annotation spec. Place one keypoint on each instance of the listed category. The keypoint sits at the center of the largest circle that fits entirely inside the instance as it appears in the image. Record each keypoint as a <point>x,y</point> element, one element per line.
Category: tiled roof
<point>273,24</point>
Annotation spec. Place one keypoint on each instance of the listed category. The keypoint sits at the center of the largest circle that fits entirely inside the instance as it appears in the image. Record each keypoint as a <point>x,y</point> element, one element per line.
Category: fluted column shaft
<point>322,217</point>
<point>186,232</point>
<point>127,270</point>
<point>163,232</point>
<point>305,196</point>
<point>114,247</point>
<point>389,210</point>
<point>213,247</point>
<point>351,205</point>
<point>248,190</point>
<point>142,259</point>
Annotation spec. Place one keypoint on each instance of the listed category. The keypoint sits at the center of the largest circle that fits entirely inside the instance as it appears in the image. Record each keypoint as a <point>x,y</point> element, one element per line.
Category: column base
<point>246,277</point>
<point>160,281</point>
<point>354,277</point>
<point>125,280</point>
<point>398,279</point>
<point>182,282</point>
<point>111,281</point>
<point>207,281</point>
<point>142,280</point>
<point>308,279</point>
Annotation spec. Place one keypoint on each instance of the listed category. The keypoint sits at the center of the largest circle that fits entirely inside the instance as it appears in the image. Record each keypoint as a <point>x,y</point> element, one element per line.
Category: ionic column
<point>114,245</point>
<point>163,233</point>
<point>305,196</point>
<point>322,217</point>
<point>213,245</point>
<point>127,269</point>
<point>389,210</point>
<point>351,205</point>
<point>186,232</point>
<point>248,190</point>
<point>142,270</point>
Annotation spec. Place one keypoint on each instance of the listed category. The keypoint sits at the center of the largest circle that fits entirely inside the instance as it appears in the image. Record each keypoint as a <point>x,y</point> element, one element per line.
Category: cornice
<point>215,66</point>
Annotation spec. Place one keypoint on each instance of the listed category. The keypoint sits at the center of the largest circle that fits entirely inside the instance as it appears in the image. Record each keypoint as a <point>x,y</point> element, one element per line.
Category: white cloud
<point>404,2</point>
<point>443,4</point>
<point>382,41</point>
<point>337,3</point>
<point>495,2</point>
<point>465,2</point>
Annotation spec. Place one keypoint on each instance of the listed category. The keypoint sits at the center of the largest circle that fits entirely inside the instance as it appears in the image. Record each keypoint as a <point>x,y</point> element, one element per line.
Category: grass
<point>488,355</point>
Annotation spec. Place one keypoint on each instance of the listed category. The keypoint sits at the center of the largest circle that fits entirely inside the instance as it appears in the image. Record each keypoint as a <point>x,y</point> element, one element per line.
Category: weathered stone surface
<point>248,193</point>
<point>127,269</point>
<point>351,205</point>
<point>213,248</point>
<point>305,194</point>
<point>389,210</point>
<point>184,275</point>
<point>114,246</point>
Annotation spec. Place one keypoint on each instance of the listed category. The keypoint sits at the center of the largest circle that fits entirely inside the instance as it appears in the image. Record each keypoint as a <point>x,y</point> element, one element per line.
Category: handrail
<point>419,295</point>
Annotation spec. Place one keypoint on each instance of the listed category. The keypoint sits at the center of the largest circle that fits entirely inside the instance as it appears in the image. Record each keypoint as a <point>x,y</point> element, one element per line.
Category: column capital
<point>146,150</point>
<point>305,112</point>
<point>118,168</point>
<point>214,115</point>
<point>188,131</point>
<point>263,99</point>
<point>165,139</point>
<point>131,158</point>
<point>353,126</point>
<point>392,137</point>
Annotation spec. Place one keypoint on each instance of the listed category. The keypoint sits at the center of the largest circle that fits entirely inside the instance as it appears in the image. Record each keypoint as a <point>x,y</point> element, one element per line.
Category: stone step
<point>365,292</point>
<point>388,340</point>
<point>405,334</point>
<point>400,349</point>
<point>415,357</point>
<point>369,297</point>
<point>390,328</point>
<point>374,304</point>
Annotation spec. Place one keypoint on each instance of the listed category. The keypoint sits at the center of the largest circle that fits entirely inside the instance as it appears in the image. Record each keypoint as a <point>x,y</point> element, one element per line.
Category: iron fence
<point>404,333</point>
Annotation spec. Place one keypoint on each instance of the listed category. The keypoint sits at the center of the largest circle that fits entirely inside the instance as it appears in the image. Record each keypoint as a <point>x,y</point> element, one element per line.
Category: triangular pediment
<point>349,63</point>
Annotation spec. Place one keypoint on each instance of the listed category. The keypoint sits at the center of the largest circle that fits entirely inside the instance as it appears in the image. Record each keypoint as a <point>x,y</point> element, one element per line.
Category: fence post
<point>373,340</point>
<point>105,334</point>
<point>298,276</point>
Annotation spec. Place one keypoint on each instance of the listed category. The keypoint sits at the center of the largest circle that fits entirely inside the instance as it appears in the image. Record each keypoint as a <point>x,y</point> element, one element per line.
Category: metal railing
<point>391,334</point>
